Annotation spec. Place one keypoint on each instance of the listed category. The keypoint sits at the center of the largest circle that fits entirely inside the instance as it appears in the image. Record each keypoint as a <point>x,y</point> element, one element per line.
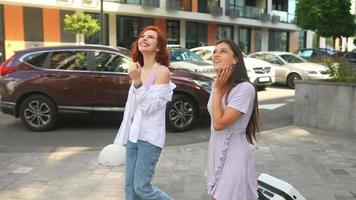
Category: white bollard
<point>112,155</point>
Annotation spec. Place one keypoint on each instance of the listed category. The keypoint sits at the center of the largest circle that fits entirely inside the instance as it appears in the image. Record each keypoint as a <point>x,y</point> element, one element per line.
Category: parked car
<point>290,67</point>
<point>309,53</point>
<point>260,73</point>
<point>185,59</point>
<point>351,57</point>
<point>40,84</point>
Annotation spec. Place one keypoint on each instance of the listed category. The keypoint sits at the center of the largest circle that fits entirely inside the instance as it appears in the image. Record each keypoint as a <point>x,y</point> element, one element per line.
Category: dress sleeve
<point>241,97</point>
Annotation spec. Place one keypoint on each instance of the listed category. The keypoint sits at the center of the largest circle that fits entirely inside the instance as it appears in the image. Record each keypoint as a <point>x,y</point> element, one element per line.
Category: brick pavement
<point>319,164</point>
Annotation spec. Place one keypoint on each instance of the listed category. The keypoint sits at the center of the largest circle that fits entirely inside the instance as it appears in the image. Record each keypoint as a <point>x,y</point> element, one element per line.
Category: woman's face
<point>148,41</point>
<point>223,56</point>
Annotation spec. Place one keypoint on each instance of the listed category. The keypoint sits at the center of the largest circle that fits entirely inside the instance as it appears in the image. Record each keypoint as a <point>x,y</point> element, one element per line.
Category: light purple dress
<point>231,166</point>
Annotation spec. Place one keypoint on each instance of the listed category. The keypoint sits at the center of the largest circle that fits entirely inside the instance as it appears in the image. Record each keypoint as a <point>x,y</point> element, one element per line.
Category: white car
<point>290,67</point>
<point>185,59</point>
<point>259,72</point>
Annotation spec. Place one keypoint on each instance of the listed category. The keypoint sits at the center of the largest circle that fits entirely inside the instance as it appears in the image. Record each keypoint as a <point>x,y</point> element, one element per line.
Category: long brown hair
<point>239,75</point>
<point>162,55</point>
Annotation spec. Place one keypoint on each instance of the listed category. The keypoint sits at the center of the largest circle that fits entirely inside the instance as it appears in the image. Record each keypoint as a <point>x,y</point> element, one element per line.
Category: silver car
<point>290,67</point>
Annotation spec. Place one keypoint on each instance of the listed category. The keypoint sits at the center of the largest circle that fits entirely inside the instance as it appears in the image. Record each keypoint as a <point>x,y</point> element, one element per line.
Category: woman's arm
<point>222,118</point>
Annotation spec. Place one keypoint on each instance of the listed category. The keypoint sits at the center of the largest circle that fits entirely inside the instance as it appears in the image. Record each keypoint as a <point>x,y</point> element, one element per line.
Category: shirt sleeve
<point>241,97</point>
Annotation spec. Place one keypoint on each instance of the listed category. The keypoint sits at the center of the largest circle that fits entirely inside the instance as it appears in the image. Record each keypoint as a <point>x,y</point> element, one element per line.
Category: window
<point>281,5</point>
<point>245,39</point>
<point>204,6</point>
<point>109,62</point>
<point>66,36</point>
<point>302,39</point>
<point>278,41</point>
<point>37,59</point>
<point>225,32</point>
<point>172,29</point>
<point>129,1</point>
<point>196,34</point>
<point>33,24</point>
<point>184,55</point>
<point>95,38</point>
<point>69,60</point>
<point>128,29</point>
<point>273,59</point>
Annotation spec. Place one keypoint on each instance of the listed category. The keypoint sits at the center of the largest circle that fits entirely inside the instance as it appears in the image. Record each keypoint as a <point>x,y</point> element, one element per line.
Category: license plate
<point>264,79</point>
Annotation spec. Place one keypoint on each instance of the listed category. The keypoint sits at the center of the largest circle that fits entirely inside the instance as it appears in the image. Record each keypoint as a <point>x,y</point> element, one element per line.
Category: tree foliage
<point>328,18</point>
<point>80,23</point>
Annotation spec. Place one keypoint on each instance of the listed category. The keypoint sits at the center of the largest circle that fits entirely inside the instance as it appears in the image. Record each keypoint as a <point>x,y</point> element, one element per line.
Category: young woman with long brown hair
<point>234,122</point>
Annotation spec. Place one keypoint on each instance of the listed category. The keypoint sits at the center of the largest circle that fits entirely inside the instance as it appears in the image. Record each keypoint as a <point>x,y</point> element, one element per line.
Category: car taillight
<point>6,70</point>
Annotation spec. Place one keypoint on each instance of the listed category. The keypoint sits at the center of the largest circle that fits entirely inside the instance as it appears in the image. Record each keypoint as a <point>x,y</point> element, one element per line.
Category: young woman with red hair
<point>143,130</point>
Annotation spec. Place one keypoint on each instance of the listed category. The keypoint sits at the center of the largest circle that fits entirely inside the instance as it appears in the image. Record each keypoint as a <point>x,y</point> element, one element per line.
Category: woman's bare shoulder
<point>164,75</point>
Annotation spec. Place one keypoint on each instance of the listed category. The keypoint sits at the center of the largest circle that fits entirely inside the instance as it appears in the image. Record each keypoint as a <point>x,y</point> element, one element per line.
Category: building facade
<point>257,25</point>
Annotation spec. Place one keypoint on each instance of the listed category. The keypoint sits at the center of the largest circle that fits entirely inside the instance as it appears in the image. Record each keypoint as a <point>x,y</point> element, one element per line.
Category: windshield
<point>289,58</point>
<point>184,55</point>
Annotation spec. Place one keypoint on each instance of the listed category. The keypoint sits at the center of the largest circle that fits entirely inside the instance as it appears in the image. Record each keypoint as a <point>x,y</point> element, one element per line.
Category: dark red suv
<point>41,84</point>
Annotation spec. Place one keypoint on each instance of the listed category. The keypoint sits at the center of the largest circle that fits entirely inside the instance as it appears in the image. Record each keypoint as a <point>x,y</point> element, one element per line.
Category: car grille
<point>324,72</point>
<point>262,70</point>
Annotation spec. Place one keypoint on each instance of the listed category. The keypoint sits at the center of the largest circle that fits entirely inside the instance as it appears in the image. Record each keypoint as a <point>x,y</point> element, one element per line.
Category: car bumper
<point>7,107</point>
<point>263,81</point>
<point>317,77</point>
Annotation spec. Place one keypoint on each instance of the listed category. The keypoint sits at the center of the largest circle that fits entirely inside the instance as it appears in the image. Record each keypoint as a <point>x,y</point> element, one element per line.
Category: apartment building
<point>255,24</point>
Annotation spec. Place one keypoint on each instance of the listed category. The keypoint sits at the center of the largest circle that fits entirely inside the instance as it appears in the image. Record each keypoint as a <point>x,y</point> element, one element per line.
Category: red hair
<point>162,55</point>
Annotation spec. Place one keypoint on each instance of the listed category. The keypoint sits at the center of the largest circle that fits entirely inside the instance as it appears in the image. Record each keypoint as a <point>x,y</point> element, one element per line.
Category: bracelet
<point>138,85</point>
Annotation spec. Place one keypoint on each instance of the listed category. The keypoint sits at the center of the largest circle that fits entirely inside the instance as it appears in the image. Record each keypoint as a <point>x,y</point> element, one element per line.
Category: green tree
<point>327,18</point>
<point>81,24</point>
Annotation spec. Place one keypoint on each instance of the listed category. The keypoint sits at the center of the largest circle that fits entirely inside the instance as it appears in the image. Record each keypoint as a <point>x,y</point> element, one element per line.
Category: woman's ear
<point>235,61</point>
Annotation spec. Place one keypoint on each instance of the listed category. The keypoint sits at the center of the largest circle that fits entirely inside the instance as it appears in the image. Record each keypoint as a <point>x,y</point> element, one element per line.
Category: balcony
<point>265,17</point>
<point>284,16</point>
<point>150,3</point>
<point>233,14</point>
<point>275,19</point>
<point>216,11</point>
<point>245,11</point>
<point>172,4</point>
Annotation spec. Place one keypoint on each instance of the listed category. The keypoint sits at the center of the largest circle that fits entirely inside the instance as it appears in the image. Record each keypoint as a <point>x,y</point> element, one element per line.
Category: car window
<point>291,58</point>
<point>273,59</point>
<point>110,62</point>
<point>69,60</point>
<point>184,55</point>
<point>37,59</point>
<point>305,53</point>
<point>205,54</point>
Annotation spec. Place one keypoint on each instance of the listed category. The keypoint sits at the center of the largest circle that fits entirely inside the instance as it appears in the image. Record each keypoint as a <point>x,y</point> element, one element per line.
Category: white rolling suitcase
<point>275,189</point>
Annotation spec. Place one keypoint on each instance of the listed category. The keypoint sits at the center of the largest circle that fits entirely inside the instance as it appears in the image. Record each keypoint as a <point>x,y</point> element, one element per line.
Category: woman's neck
<point>149,60</point>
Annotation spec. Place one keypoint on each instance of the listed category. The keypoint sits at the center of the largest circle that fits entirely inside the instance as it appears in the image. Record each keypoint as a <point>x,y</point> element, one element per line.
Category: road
<point>276,110</point>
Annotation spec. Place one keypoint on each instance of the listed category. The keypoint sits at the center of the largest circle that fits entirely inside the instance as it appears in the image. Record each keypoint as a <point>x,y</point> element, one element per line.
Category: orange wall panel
<point>161,23</point>
<point>195,5</point>
<point>212,33</point>
<point>51,25</point>
<point>13,23</point>
<point>293,41</point>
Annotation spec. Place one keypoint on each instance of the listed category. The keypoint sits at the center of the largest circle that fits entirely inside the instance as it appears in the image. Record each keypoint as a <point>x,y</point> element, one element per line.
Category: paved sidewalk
<point>319,164</point>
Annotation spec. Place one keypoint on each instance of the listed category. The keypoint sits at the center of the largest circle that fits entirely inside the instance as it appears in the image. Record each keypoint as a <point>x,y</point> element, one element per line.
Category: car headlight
<point>204,84</point>
<point>311,72</point>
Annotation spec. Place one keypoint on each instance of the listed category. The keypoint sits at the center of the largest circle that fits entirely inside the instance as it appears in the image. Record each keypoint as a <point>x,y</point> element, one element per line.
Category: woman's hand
<point>223,74</point>
<point>135,72</point>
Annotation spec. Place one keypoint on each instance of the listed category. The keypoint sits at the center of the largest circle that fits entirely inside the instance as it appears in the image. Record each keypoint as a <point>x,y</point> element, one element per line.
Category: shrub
<point>341,71</point>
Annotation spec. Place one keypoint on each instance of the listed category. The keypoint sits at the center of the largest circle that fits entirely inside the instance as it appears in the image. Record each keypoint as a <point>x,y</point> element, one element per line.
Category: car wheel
<point>181,113</point>
<point>291,78</point>
<point>38,113</point>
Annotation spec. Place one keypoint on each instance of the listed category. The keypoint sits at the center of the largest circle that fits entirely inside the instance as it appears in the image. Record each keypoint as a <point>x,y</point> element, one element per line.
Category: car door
<point>111,81</point>
<point>71,83</point>
<point>281,71</point>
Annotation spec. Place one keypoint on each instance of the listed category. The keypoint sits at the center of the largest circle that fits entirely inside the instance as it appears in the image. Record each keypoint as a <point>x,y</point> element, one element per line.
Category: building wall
<point>53,12</point>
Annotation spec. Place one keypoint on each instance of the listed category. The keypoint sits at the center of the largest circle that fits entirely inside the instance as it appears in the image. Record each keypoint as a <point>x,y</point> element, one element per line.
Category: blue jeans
<point>141,159</point>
